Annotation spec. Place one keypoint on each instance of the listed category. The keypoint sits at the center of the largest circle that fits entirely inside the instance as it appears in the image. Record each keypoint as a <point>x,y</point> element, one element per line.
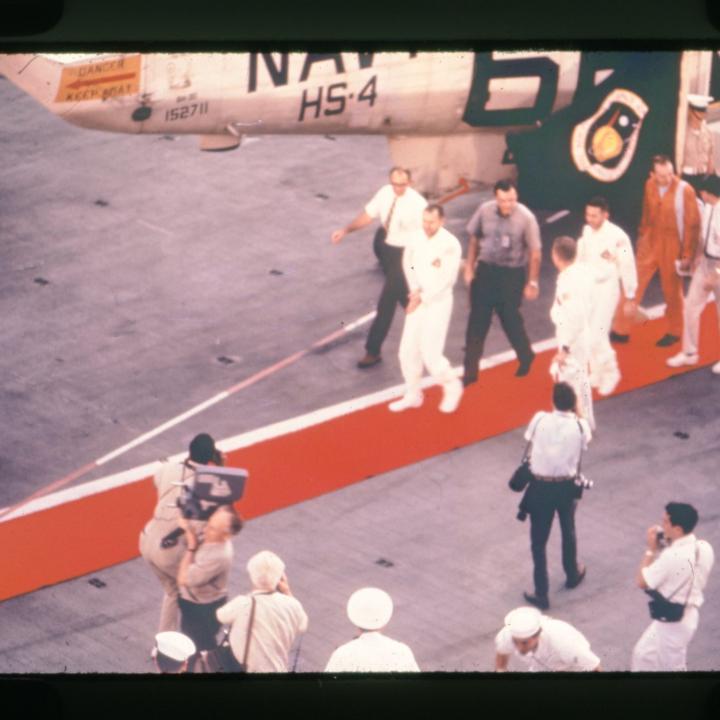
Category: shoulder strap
<point>249,630</point>
<point>692,579</point>
<point>582,442</point>
<point>526,454</point>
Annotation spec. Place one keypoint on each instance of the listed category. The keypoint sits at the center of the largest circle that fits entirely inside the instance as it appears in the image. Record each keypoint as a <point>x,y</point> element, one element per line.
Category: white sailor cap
<point>370,608</point>
<point>523,622</point>
<point>174,645</point>
<point>699,102</point>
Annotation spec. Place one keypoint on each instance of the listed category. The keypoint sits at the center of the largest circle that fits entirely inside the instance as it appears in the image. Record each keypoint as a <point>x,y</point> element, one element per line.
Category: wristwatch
<point>533,283</point>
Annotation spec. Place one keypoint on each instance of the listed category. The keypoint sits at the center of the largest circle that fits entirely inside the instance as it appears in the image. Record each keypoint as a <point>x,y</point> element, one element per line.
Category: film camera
<point>207,487</point>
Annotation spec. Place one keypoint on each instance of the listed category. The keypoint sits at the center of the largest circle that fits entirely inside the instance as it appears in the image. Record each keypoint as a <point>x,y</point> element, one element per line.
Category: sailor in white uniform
<point>543,643</point>
<point>370,610</point>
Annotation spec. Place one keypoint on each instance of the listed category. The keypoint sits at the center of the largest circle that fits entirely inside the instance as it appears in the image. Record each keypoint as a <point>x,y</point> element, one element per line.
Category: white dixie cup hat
<point>523,622</point>
<point>370,608</point>
<point>174,645</point>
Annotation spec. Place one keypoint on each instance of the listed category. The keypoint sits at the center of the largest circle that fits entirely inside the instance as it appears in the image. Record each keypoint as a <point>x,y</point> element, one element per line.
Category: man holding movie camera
<point>191,490</point>
<point>673,572</point>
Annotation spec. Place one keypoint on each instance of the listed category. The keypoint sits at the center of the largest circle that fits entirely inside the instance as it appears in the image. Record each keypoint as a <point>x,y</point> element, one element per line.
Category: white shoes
<point>452,392</point>
<point>716,368</point>
<point>683,359</point>
<point>608,385</point>
<point>406,402</point>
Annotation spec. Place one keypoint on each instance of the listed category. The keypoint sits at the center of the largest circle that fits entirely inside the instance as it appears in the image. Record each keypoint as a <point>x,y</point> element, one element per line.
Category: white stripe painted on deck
<point>252,437</point>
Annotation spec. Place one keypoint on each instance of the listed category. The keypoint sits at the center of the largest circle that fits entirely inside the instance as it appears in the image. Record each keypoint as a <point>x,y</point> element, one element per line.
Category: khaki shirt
<point>698,158</point>
<point>207,574</point>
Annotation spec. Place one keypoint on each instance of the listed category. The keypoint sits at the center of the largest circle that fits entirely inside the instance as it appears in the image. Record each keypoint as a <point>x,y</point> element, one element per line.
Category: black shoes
<point>541,603</point>
<point>368,361</point>
<point>667,340</point>
<point>570,584</point>
<point>525,366</point>
<point>618,338</point>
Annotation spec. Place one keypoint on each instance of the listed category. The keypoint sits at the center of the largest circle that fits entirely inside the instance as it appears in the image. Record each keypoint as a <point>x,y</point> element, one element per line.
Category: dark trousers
<point>500,290</point>
<point>394,292</point>
<point>547,499</point>
<point>198,622</point>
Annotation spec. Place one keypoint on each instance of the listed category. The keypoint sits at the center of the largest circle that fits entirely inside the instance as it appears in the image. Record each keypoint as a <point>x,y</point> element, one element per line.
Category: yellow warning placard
<point>100,80</point>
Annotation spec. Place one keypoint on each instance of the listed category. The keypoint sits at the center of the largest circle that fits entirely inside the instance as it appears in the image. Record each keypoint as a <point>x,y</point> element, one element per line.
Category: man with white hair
<point>370,610</point>
<point>543,643</point>
<point>264,623</point>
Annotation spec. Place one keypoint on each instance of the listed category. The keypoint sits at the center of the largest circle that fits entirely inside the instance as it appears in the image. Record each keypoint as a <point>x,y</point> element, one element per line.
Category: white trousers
<point>663,646</point>
<point>695,302</point>
<point>574,372</point>
<point>423,344</point>
<point>604,372</point>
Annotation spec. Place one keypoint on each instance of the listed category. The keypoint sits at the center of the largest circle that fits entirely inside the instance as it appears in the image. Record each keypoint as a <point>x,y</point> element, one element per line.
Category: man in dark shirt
<point>504,238</point>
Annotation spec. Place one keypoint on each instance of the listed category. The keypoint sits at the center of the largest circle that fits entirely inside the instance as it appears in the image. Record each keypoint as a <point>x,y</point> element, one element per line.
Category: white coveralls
<point>707,271</point>
<point>571,314</point>
<point>431,267</point>
<point>680,575</point>
<point>608,252</point>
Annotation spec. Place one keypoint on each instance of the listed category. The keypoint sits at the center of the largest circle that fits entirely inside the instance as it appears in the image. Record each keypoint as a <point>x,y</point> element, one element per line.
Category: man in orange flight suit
<point>668,231</point>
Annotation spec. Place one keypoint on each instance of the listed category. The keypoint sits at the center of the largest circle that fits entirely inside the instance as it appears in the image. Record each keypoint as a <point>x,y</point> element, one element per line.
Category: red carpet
<point>94,532</point>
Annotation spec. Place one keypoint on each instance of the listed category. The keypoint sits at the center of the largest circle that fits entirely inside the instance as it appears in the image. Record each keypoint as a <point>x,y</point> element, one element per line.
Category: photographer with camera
<point>162,541</point>
<point>556,441</point>
<point>673,572</point>
<point>264,623</point>
<point>203,575</point>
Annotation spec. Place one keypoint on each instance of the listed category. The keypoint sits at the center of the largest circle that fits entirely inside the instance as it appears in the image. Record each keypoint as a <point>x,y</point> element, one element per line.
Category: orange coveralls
<point>659,245</point>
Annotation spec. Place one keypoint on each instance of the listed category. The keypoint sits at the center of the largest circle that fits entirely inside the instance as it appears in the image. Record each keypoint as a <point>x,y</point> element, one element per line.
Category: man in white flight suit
<point>705,278</point>
<point>543,643</point>
<point>431,262</point>
<point>370,610</point>
<point>607,249</point>
<point>571,312</point>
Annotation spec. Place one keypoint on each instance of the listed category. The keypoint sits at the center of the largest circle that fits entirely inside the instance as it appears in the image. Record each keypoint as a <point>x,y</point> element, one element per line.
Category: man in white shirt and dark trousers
<point>543,643</point>
<point>557,440</point>
<point>399,208</point>
<point>607,250</point>
<point>431,262</point>
<point>705,278</point>
<point>571,313</point>
<point>370,610</point>
<point>679,572</point>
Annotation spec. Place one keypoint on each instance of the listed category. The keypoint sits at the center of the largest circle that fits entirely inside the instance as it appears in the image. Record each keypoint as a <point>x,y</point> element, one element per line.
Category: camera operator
<point>203,575</point>
<point>676,565</point>
<point>162,541</point>
<point>557,440</point>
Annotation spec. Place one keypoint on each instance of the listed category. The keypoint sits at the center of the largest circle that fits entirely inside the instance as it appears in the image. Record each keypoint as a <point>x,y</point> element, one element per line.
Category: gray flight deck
<point>141,277</point>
